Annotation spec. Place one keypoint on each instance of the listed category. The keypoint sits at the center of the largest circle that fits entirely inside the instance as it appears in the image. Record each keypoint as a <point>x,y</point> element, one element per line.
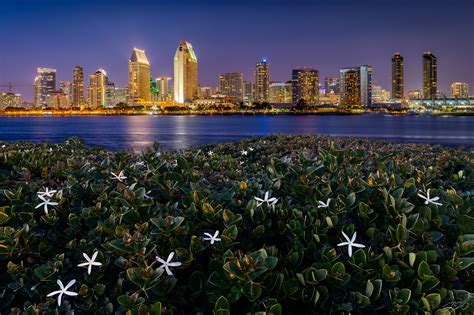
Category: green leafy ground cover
<point>270,256</point>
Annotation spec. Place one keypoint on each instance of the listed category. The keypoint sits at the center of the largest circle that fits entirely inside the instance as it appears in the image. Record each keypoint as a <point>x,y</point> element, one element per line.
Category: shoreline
<point>221,113</point>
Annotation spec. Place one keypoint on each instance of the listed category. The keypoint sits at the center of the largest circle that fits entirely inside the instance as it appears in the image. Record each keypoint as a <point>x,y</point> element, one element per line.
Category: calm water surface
<point>177,132</point>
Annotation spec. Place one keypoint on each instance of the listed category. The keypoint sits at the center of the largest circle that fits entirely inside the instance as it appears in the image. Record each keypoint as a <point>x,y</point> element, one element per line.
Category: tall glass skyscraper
<point>397,76</point>
<point>363,75</point>
<point>185,73</point>
<point>77,86</point>
<point>97,89</point>
<point>231,84</point>
<point>430,75</point>
<point>262,81</point>
<point>139,77</point>
<point>45,85</point>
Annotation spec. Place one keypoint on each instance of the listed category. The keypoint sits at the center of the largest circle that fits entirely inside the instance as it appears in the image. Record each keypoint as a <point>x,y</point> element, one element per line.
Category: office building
<point>262,81</point>
<point>459,90</point>
<point>45,84</point>
<point>185,73</point>
<point>96,92</point>
<point>139,77</point>
<point>415,95</point>
<point>430,75</point>
<point>397,76</point>
<point>332,85</point>
<point>163,86</point>
<point>66,88</point>
<point>77,86</point>
<point>232,85</point>
<point>363,86</point>
<point>305,86</point>
<point>120,96</point>
<point>281,92</point>
<point>10,100</point>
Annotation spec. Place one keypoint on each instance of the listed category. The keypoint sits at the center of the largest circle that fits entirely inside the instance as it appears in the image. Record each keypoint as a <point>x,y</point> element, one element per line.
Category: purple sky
<point>230,35</point>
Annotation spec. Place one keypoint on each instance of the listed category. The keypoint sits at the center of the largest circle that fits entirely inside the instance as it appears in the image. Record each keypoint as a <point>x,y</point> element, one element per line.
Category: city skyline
<point>325,47</point>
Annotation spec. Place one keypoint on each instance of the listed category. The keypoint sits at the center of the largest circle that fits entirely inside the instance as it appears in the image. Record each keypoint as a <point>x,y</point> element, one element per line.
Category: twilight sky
<point>231,35</point>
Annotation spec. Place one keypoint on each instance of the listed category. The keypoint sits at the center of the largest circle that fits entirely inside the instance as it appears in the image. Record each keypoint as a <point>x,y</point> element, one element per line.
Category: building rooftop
<point>138,55</point>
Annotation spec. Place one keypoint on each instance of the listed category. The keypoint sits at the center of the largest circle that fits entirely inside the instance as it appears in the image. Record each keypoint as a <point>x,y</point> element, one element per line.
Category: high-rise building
<point>350,88</point>
<point>139,77</point>
<point>9,100</point>
<point>363,74</point>
<point>120,96</point>
<point>459,90</point>
<point>281,92</point>
<point>232,85</point>
<point>110,94</point>
<point>96,91</point>
<point>58,100</point>
<point>248,92</point>
<point>185,73</point>
<point>163,85</point>
<point>66,88</point>
<point>397,76</point>
<point>45,84</point>
<point>305,84</point>
<point>332,85</point>
<point>262,81</point>
<point>430,75</point>
<point>206,92</point>
<point>77,86</point>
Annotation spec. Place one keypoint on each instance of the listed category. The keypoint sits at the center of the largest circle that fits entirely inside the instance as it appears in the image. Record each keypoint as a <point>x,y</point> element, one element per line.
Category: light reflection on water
<point>177,132</point>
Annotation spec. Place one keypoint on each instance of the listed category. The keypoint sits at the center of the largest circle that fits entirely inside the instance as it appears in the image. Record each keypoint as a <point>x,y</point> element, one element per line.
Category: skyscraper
<point>350,88</point>
<point>139,77</point>
<point>248,92</point>
<point>430,75</point>
<point>185,73</point>
<point>77,86</point>
<point>363,74</point>
<point>96,91</point>
<point>281,92</point>
<point>66,88</point>
<point>262,81</point>
<point>460,90</point>
<point>305,85</point>
<point>45,84</point>
<point>332,85</point>
<point>232,85</point>
<point>397,76</point>
<point>163,85</point>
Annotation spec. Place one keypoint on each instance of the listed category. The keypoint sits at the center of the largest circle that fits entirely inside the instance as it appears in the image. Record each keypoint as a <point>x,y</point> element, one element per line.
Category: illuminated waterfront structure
<point>110,94</point>
<point>305,86</point>
<point>397,76</point>
<point>459,90</point>
<point>363,75</point>
<point>66,88</point>
<point>281,92</point>
<point>139,77</point>
<point>185,73</point>
<point>77,86</point>
<point>45,84</point>
<point>415,95</point>
<point>206,92</point>
<point>262,81</point>
<point>96,92</point>
<point>58,100</point>
<point>248,92</point>
<point>163,85</point>
<point>350,89</point>
<point>430,75</point>
<point>120,96</point>
<point>10,100</point>
<point>232,85</point>
<point>332,85</point>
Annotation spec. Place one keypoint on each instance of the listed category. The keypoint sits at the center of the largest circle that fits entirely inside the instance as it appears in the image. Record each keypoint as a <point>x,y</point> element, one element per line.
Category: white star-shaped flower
<point>251,149</point>
<point>46,193</point>
<point>146,196</point>
<point>241,162</point>
<point>45,204</point>
<point>210,153</point>
<point>90,262</point>
<point>166,264</point>
<point>63,290</point>
<point>429,200</point>
<point>350,243</point>
<point>244,152</point>
<point>120,177</point>
<point>212,238</point>
<point>321,204</point>
<point>268,201</point>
